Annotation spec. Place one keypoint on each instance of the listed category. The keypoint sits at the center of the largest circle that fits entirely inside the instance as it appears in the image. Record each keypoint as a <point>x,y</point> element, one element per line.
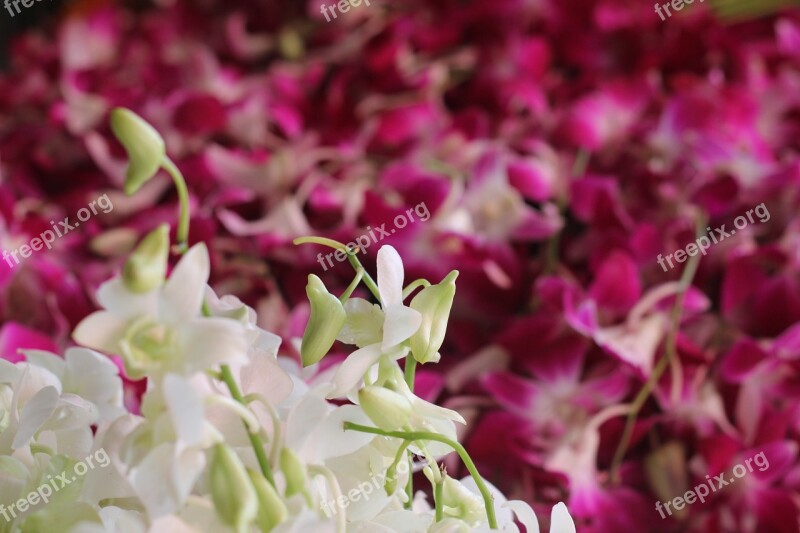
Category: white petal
<point>525,515</point>
<point>306,413</point>
<point>390,276</point>
<point>352,370</point>
<point>208,341</point>
<point>47,360</point>
<point>35,413</point>
<point>430,410</point>
<point>329,439</point>
<point>183,293</point>
<point>185,409</point>
<point>116,298</point>
<point>101,331</point>
<point>265,376</point>
<point>363,324</point>
<point>164,479</point>
<point>560,520</point>
<point>401,323</point>
<point>94,377</point>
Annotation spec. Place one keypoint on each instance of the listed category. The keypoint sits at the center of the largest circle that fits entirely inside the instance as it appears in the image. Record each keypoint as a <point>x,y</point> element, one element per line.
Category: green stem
<point>410,374</point>
<point>417,283</point>
<point>352,287</point>
<point>488,500</point>
<point>671,353</point>
<point>255,439</point>
<point>437,499</point>
<point>183,198</point>
<point>411,371</point>
<point>368,281</point>
<point>336,245</point>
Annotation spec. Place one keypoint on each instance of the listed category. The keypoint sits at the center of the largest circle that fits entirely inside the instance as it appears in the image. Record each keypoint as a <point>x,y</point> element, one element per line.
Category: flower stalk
<point>412,436</point>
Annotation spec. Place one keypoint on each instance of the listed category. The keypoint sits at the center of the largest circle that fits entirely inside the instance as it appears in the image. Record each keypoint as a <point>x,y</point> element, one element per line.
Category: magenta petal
<point>771,461</point>
<point>15,337</point>
<point>777,512</point>
<point>616,285</point>
<point>515,393</point>
<point>741,360</point>
<point>787,346</point>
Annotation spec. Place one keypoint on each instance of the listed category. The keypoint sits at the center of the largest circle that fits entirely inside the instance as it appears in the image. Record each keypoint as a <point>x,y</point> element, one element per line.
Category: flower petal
<point>400,324</point>
<point>390,276</point>
<point>101,331</point>
<point>560,520</point>
<point>183,293</point>
<point>352,370</point>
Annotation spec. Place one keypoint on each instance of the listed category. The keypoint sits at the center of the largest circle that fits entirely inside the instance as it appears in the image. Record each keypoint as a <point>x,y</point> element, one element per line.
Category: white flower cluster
<point>231,437</point>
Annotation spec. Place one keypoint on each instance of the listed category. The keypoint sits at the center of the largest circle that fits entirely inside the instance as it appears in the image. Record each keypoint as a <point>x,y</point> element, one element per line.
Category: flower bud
<point>145,147</point>
<point>324,324</point>
<point>434,305</point>
<point>146,268</point>
<point>271,509</point>
<point>387,409</point>
<point>233,494</point>
<point>295,472</point>
<point>459,502</point>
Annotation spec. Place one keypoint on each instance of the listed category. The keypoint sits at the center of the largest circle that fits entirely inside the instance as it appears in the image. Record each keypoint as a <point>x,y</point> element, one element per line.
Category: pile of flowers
<point>556,152</point>
<point>229,436</point>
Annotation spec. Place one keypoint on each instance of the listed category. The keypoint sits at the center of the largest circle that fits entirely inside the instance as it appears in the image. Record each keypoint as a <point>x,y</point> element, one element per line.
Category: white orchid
<point>162,330</point>
<point>231,437</point>
<point>385,329</point>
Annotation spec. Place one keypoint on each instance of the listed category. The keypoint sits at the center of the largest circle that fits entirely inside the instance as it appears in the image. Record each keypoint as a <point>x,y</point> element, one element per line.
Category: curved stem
<point>255,439</point>
<point>341,519</point>
<point>183,198</point>
<point>351,257</point>
<point>368,281</point>
<point>353,284</point>
<point>488,500</point>
<point>413,286</point>
<point>671,353</point>
<point>276,424</point>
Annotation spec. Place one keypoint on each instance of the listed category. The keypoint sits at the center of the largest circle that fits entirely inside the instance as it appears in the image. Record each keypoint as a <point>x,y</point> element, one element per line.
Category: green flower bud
<point>145,147</point>
<point>295,472</point>
<point>233,494</point>
<point>459,502</point>
<point>387,409</point>
<point>271,509</point>
<point>434,303</point>
<point>326,321</point>
<point>146,268</point>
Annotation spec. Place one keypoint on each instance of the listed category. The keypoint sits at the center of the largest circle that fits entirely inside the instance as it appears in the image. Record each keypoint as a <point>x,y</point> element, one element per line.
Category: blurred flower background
<point>560,147</point>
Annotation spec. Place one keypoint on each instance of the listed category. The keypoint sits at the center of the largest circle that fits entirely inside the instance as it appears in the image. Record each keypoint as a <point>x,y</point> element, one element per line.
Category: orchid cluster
<point>230,437</point>
<point>560,147</point>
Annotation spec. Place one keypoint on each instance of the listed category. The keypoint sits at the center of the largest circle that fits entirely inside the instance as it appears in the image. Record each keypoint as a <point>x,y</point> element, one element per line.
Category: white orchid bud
<point>146,268</point>
<point>387,409</point>
<point>295,472</point>
<point>145,147</point>
<point>324,324</point>
<point>434,304</point>
<point>271,509</point>
<point>233,494</point>
<point>459,502</point>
